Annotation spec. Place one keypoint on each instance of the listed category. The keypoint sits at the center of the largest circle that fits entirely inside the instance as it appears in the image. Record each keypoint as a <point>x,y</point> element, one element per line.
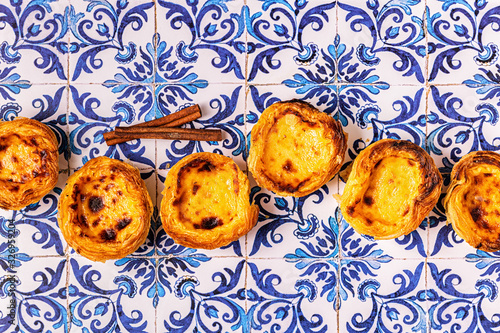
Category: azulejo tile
<point>37,293</point>
<point>281,297</point>
<point>392,300</point>
<point>282,38</point>
<point>213,297</point>
<point>111,296</point>
<point>462,39</point>
<point>208,36</point>
<point>464,296</point>
<point>222,107</point>
<point>111,39</point>
<point>94,110</point>
<point>385,38</point>
<point>295,228</point>
<point>35,40</point>
<point>461,119</point>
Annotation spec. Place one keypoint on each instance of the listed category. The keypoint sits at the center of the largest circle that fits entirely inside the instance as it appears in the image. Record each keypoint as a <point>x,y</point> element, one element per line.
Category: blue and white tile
<point>207,36</point>
<point>165,245</point>
<point>384,38</point>
<point>390,299</point>
<point>280,297</point>
<point>35,40</point>
<point>110,297</point>
<point>373,112</point>
<point>39,290</point>
<point>222,107</point>
<point>35,227</point>
<point>94,110</point>
<point>463,296</point>
<point>283,39</point>
<point>211,297</point>
<point>295,228</point>
<point>461,119</point>
<point>111,41</point>
<point>462,39</point>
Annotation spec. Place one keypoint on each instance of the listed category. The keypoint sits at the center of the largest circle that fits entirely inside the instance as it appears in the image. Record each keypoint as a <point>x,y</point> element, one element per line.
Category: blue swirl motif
<point>284,210</point>
<point>42,309</point>
<point>43,218</point>
<point>321,82</point>
<point>285,31</point>
<point>154,280</point>
<point>463,30</point>
<point>224,108</point>
<point>466,130</point>
<point>11,83</point>
<point>103,31</point>
<point>175,81</point>
<point>321,259</point>
<point>488,261</point>
<point>44,35</point>
<point>210,311</point>
<point>90,124</point>
<point>100,310</point>
<point>211,29</point>
<point>394,29</point>
<point>395,311</point>
<point>457,311</point>
<point>281,311</point>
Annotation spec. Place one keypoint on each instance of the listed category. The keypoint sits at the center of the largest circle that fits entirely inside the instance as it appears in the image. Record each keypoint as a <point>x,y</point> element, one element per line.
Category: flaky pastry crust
<point>392,187</point>
<point>206,202</point>
<point>295,149</point>
<point>105,210</point>
<point>29,162</point>
<point>472,200</point>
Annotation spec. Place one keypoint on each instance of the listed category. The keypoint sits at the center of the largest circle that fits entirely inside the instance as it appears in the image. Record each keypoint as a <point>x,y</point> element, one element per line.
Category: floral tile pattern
<point>426,71</point>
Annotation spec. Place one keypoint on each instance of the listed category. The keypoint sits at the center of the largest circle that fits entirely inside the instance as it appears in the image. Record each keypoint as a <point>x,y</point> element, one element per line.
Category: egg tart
<point>29,162</point>
<point>206,202</point>
<point>392,187</point>
<point>472,201</point>
<point>105,210</point>
<point>295,149</point>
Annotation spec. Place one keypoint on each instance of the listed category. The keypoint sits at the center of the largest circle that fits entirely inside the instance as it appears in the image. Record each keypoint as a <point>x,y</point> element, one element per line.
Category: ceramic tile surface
<point>426,71</point>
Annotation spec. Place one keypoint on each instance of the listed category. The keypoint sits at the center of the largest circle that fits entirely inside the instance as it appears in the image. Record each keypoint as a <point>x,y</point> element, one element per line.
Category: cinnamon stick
<point>178,118</point>
<point>169,133</point>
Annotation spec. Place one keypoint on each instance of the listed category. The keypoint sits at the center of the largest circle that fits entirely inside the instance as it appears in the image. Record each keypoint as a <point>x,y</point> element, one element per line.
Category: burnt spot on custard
<point>119,192</point>
<point>407,210</point>
<point>108,235</point>
<point>289,167</point>
<point>15,188</point>
<point>96,222</point>
<point>369,221</point>
<point>73,206</point>
<point>209,223</point>
<point>368,201</point>
<point>122,223</point>
<point>195,189</point>
<point>96,204</point>
<point>478,216</point>
<point>14,159</point>
<point>108,187</point>
<point>95,187</point>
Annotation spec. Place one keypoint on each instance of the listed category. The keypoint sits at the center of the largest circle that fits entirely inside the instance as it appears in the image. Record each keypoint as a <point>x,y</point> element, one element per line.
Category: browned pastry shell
<point>295,149</point>
<point>29,162</point>
<point>206,202</point>
<point>392,187</point>
<point>105,210</point>
<point>472,201</point>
